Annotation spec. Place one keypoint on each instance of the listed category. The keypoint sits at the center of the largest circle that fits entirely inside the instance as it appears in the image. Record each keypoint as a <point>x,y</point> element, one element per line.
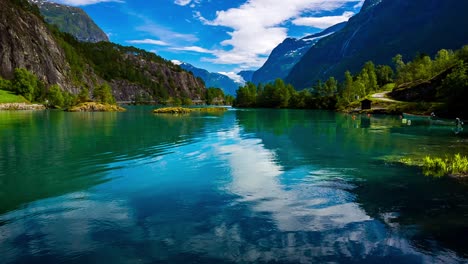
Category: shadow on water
<point>49,153</point>
<point>431,213</point>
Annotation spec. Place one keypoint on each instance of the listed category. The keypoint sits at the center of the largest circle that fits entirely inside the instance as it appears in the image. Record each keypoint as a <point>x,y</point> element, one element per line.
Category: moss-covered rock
<point>96,107</point>
<point>183,110</point>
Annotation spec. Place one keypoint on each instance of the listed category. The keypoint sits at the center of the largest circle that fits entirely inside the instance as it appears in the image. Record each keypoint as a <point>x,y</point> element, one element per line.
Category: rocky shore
<point>21,106</point>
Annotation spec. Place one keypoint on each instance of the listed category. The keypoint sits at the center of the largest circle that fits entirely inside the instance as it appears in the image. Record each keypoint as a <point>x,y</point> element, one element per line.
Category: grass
<point>183,110</point>
<point>438,167</point>
<point>9,97</point>
<point>456,166</point>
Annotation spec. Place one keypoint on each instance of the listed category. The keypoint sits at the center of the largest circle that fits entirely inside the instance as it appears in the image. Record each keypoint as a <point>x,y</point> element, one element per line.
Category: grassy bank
<point>9,97</point>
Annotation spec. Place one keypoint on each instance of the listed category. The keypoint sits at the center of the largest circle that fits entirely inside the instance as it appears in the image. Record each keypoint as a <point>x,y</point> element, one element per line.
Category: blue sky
<point>217,35</point>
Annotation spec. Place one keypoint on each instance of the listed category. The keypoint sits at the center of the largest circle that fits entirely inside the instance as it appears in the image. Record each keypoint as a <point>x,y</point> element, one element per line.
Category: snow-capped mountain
<point>287,54</point>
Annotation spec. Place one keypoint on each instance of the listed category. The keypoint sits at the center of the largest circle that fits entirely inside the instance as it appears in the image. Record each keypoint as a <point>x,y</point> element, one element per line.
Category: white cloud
<point>86,2</point>
<point>148,41</point>
<point>194,49</point>
<point>234,76</point>
<point>165,34</point>
<point>182,2</point>
<point>322,22</point>
<point>176,62</point>
<point>258,27</point>
<point>193,3</point>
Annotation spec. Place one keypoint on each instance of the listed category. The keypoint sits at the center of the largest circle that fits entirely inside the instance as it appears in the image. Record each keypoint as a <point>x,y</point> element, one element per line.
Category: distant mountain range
<point>283,58</point>
<point>381,30</point>
<point>72,20</point>
<point>212,79</point>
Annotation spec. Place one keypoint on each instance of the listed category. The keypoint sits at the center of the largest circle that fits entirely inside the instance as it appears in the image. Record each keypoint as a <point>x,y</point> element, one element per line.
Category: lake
<point>246,186</point>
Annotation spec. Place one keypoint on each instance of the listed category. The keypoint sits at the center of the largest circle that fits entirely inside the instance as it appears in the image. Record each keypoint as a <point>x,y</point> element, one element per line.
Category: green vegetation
<point>183,110</point>
<point>55,96</point>
<point>9,97</point>
<point>115,62</point>
<point>72,20</point>
<point>103,94</point>
<point>455,166</point>
<point>96,107</point>
<point>436,84</point>
<point>25,87</point>
<point>216,96</point>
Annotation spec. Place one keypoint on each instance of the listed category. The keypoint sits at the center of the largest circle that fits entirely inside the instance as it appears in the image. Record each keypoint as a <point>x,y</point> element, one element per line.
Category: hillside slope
<point>26,41</point>
<point>283,58</point>
<point>72,20</point>
<point>381,30</point>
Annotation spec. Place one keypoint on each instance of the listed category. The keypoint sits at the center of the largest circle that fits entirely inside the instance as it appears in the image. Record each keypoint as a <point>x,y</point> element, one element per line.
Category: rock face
<point>381,30</point>
<point>283,58</point>
<point>72,20</point>
<point>26,42</point>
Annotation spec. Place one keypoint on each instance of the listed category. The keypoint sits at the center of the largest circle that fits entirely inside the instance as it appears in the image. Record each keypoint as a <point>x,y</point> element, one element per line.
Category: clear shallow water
<point>248,186</point>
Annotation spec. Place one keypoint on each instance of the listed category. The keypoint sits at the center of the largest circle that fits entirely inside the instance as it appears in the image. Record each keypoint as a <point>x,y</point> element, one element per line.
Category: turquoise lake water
<point>246,186</point>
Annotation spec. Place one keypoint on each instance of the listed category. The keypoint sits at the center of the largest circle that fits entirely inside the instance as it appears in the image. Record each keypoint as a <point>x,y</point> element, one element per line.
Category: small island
<point>184,110</point>
<point>96,107</point>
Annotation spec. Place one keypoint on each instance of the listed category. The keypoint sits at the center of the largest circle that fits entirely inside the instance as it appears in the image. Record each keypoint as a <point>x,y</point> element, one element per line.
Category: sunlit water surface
<point>247,186</point>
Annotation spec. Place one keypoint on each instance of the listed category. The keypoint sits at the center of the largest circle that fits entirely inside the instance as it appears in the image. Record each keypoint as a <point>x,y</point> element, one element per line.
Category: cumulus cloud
<point>257,27</point>
<point>85,2</point>
<point>234,76</point>
<point>148,41</point>
<point>322,22</point>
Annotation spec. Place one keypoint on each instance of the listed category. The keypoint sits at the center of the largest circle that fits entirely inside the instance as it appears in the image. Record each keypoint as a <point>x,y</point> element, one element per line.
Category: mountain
<point>228,85</point>
<point>381,30</point>
<point>72,20</point>
<point>287,54</point>
<point>246,75</point>
<point>26,41</point>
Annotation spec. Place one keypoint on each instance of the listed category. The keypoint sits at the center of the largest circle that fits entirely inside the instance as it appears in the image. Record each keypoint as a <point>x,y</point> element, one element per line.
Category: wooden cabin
<point>366,104</point>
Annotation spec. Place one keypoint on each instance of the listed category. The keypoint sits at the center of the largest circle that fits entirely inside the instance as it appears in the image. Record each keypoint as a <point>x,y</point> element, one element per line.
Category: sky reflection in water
<point>222,194</point>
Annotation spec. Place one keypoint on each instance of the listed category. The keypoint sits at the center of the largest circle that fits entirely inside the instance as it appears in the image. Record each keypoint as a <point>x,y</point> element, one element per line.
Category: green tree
<point>369,77</point>
<point>55,96</point>
<point>348,92</point>
<point>24,83</point>
<point>5,84</point>
<point>331,86</point>
<point>103,93</point>
<point>187,101</point>
<point>384,75</point>
<point>83,96</point>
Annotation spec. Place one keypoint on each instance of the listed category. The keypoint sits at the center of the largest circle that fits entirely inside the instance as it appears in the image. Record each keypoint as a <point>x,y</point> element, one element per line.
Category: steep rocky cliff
<point>72,20</point>
<point>57,58</point>
<point>26,42</point>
